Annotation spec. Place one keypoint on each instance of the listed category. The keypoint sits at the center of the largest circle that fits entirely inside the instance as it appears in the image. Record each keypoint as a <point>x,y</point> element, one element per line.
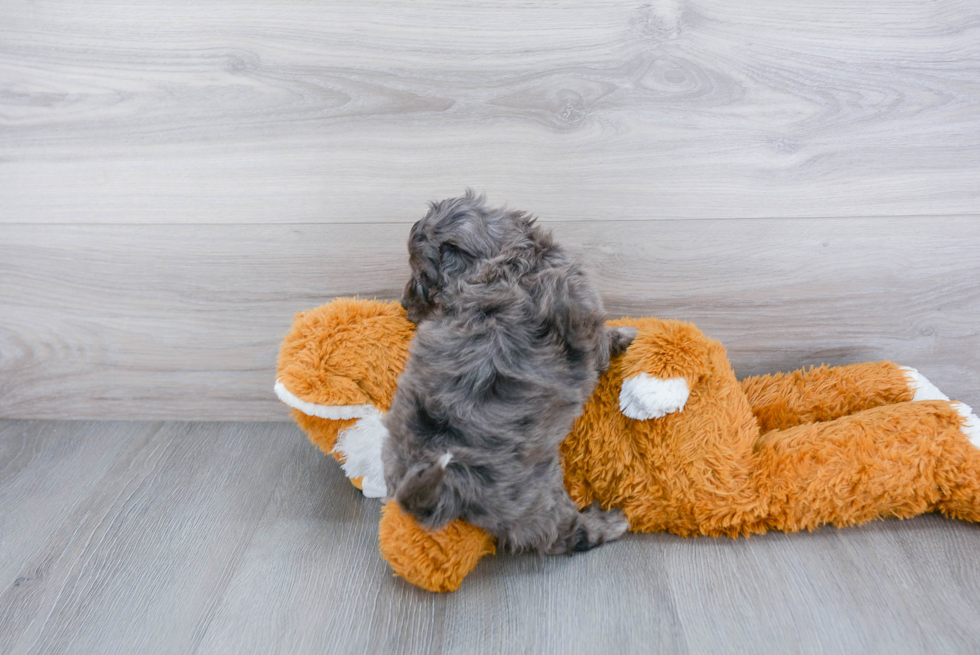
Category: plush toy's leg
<point>894,460</point>
<point>963,501</point>
<point>783,400</point>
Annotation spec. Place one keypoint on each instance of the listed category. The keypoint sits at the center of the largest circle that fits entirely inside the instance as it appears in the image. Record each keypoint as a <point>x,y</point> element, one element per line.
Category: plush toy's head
<point>338,370</point>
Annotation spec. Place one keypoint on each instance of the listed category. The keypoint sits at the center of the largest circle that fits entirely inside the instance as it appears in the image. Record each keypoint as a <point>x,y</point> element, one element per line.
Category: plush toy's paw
<point>360,448</point>
<point>357,447</point>
<point>435,561</point>
<point>971,423</point>
<point>922,387</point>
<point>644,397</point>
<point>926,390</point>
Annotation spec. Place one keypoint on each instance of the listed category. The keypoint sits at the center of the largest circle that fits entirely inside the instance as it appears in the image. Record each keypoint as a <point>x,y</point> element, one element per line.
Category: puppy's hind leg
<point>588,528</point>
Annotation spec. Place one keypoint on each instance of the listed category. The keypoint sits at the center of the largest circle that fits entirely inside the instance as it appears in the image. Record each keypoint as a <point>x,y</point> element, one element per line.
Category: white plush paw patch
<point>923,388</point>
<point>360,445</point>
<point>971,423</point>
<point>644,396</point>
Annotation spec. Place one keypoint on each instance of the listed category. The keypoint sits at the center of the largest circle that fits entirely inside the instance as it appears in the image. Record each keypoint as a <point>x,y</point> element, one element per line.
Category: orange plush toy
<point>669,436</point>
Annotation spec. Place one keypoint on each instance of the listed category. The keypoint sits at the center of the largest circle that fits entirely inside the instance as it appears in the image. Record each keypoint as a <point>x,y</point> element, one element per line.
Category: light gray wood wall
<point>802,180</point>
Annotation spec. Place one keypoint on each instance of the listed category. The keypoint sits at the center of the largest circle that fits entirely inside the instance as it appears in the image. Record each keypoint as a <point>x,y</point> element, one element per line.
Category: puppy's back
<point>497,380</point>
<point>507,352</point>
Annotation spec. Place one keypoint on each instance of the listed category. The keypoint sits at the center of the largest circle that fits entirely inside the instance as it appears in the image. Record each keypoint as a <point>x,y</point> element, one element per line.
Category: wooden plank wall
<point>802,180</point>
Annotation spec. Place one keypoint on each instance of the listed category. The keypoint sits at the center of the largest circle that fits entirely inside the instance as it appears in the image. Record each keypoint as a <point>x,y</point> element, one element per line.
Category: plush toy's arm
<point>660,367</point>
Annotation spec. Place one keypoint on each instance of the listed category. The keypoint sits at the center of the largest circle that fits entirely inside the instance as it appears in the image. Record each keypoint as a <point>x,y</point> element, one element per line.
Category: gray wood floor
<point>128,537</point>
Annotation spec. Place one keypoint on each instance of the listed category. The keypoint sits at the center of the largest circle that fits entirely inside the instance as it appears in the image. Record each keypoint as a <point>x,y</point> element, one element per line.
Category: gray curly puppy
<point>511,339</point>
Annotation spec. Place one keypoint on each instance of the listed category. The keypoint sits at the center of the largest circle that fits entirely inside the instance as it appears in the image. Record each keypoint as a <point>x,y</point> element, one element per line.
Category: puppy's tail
<point>418,492</point>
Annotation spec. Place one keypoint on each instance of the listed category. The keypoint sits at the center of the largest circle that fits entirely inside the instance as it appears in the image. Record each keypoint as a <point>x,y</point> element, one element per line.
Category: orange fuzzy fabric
<point>347,352</point>
<point>436,561</point>
<point>788,452</point>
<point>783,400</point>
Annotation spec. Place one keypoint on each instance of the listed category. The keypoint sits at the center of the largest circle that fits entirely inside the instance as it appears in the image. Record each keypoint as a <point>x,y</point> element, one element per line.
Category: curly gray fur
<point>511,339</point>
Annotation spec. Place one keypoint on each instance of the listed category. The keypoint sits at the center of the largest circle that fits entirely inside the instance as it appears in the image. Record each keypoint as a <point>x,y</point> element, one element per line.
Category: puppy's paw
<point>644,397</point>
<point>620,339</point>
<point>596,527</point>
<point>592,527</point>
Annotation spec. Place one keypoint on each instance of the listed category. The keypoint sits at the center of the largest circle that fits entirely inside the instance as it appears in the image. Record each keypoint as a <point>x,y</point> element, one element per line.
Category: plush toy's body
<point>670,436</point>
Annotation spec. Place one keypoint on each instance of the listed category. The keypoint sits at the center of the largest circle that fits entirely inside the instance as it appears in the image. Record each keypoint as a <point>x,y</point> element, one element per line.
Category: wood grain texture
<point>313,581</point>
<point>184,321</point>
<point>243,538</point>
<point>140,562</point>
<point>47,470</point>
<point>290,112</point>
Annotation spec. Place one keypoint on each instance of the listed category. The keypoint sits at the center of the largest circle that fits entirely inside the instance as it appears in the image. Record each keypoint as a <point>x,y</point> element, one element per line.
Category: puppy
<point>510,341</point>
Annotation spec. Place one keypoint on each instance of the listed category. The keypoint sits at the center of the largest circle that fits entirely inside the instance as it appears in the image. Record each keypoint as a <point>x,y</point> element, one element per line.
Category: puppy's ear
<point>454,260</point>
<point>418,492</point>
<point>420,292</point>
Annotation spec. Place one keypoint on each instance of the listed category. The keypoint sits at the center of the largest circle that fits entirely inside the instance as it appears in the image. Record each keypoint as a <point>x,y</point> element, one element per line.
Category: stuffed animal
<point>670,437</point>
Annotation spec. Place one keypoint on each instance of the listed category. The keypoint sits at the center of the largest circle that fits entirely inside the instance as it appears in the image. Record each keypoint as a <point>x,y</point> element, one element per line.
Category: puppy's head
<point>449,244</point>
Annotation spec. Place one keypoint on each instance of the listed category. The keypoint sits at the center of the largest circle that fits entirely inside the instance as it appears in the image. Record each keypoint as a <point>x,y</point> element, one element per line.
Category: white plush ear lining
<point>644,396</point>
